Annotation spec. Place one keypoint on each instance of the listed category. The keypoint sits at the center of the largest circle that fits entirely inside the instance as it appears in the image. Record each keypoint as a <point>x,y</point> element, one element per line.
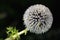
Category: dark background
<point>15,10</point>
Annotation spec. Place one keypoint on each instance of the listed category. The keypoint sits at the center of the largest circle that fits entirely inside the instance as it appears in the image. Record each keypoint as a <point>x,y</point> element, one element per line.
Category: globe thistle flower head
<point>38,18</point>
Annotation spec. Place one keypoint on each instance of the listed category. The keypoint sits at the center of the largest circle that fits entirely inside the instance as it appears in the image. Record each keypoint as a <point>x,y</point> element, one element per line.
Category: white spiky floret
<point>38,18</point>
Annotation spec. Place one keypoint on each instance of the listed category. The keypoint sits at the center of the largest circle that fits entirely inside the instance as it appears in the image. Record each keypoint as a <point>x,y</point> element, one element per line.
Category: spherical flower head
<point>38,18</point>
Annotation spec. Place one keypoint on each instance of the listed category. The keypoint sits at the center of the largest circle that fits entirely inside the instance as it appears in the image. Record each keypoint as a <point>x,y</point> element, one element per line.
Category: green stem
<point>18,34</point>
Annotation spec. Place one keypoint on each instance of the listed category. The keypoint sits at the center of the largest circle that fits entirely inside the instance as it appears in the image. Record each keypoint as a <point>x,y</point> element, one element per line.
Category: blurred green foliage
<point>11,31</point>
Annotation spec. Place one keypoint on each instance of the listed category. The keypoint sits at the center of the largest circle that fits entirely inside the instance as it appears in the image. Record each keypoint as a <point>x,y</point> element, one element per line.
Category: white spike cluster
<point>38,18</point>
